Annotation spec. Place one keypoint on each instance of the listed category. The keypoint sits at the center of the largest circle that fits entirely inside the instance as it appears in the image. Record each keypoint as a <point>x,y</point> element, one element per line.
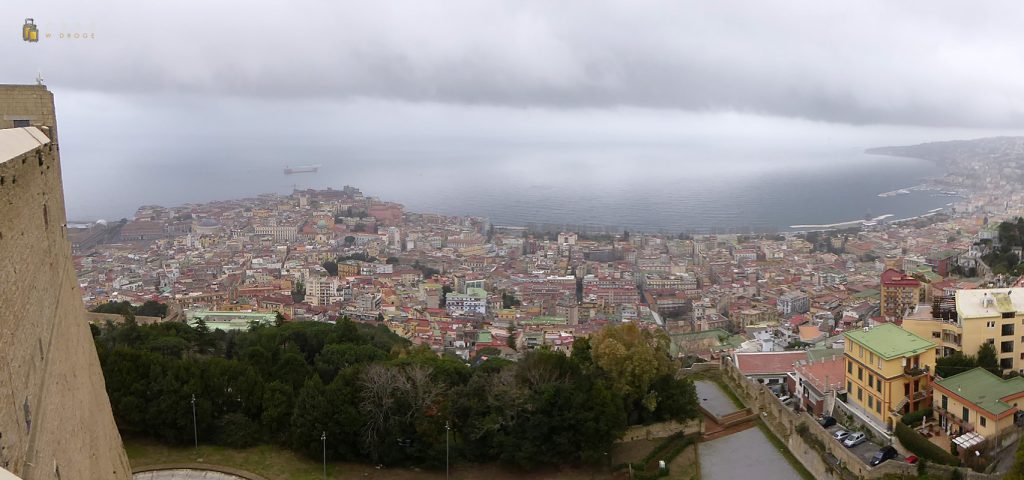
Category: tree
<point>310,418</point>
<point>987,358</point>
<point>152,309</point>
<point>509,300</point>
<point>445,290</point>
<point>278,407</point>
<point>950,365</point>
<point>237,431</point>
<point>331,267</point>
<point>633,359</point>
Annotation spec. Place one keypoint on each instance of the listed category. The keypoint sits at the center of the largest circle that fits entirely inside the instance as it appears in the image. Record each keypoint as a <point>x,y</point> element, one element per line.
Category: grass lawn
<point>277,463</point>
<point>685,465</point>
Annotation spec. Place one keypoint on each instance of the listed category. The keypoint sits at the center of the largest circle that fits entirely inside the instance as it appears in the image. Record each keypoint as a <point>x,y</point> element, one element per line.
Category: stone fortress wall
<point>55,418</point>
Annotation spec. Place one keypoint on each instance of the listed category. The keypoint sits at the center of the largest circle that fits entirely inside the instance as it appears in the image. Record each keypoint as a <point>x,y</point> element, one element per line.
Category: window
<point>860,350</point>
<point>1009,314</point>
<point>878,407</point>
<point>981,420</point>
<point>1006,347</point>
<point>878,385</point>
<point>944,402</point>
<point>990,341</point>
<point>871,401</point>
<point>860,394</point>
<point>849,364</point>
<point>21,123</point>
<point>871,380</point>
<point>936,335</point>
<point>1007,329</point>
<point>860,374</point>
<point>1005,363</point>
<point>879,364</point>
<point>871,357</point>
<point>990,324</point>
<point>966,415</point>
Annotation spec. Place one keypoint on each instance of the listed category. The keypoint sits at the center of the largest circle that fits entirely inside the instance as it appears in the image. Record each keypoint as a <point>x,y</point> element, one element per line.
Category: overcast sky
<point>640,71</point>
<point>910,63</point>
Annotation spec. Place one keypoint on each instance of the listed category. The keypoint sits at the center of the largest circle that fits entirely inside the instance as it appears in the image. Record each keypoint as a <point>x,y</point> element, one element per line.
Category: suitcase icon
<point>29,32</point>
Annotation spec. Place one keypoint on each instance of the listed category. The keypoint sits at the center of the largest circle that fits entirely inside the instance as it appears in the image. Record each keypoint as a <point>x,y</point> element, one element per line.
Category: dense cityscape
<point>495,239</point>
<point>781,308</point>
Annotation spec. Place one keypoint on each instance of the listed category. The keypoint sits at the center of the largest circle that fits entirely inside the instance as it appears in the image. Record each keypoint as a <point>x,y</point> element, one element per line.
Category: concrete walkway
<point>184,474</point>
<point>744,454</point>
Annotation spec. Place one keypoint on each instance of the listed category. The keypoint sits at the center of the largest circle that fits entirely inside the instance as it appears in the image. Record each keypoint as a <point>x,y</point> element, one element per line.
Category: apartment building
<point>976,317</point>
<point>888,371</point>
<point>900,294</point>
<point>978,401</point>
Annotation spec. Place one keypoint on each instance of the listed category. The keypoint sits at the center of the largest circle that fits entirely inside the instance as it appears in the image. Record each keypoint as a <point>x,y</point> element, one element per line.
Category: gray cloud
<point>876,62</point>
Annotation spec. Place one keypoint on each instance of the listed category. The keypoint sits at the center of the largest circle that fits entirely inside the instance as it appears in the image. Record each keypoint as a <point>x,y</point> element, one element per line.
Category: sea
<point>668,189</point>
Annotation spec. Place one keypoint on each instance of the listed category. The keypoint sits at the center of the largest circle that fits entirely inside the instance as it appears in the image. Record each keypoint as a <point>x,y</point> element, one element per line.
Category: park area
<point>280,464</point>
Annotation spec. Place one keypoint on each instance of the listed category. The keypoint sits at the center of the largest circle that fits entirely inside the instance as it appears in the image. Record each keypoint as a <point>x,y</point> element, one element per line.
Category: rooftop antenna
<point>39,78</point>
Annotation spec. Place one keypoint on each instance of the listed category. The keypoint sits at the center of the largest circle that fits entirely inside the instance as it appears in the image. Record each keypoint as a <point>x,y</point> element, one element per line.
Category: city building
<point>978,401</point>
<point>322,291</point>
<point>977,316</point>
<point>816,379</point>
<point>794,303</point>
<point>887,371</point>
<point>900,294</point>
<point>473,301</point>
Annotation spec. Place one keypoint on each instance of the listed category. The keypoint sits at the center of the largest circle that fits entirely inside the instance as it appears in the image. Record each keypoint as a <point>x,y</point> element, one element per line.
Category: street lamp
<point>195,427</point>
<point>447,472</point>
<point>323,438</point>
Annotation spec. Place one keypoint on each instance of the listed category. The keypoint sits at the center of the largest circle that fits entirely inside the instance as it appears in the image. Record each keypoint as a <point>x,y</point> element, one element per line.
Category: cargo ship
<point>301,169</point>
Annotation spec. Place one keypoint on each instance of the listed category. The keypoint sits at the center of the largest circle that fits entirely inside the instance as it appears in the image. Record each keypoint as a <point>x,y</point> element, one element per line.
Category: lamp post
<point>447,472</point>
<point>323,438</point>
<point>195,426</point>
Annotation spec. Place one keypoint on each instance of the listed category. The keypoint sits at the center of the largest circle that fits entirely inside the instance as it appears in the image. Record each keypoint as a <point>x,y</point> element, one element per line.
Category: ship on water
<point>302,169</point>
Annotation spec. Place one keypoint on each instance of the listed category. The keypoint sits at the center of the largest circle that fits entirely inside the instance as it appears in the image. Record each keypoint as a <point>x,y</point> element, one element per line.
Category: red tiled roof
<point>896,278</point>
<point>763,363</point>
<point>816,373</point>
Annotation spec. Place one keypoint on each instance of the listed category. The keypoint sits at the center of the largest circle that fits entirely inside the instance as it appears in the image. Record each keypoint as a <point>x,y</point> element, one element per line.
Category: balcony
<point>914,371</point>
<point>953,419</point>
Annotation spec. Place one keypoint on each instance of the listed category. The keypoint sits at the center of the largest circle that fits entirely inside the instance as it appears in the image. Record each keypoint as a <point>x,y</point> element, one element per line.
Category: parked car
<point>827,421</point>
<point>855,439</point>
<point>885,453</point>
<point>840,435</point>
<point>912,459</point>
<point>784,398</point>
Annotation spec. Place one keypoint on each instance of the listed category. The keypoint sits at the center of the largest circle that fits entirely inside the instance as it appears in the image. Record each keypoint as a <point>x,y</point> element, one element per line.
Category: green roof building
<point>979,401</point>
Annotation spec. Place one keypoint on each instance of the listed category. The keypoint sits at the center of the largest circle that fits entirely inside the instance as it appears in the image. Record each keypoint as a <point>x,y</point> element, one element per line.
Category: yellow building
<point>978,401</point>
<point>887,371</point>
<point>980,316</point>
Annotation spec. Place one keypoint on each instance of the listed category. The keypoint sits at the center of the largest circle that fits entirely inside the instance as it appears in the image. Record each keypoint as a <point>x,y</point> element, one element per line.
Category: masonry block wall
<point>55,418</point>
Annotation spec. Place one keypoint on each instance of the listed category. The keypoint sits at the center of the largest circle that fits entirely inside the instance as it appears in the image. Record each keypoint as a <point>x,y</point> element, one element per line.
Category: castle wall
<point>55,418</point>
